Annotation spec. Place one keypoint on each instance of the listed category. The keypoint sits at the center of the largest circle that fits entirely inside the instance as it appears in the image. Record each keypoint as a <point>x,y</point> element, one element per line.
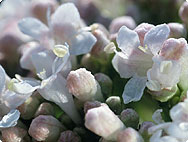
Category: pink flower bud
<point>69,136</point>
<point>82,84</point>
<point>103,122</point>
<point>183,12</point>
<point>129,135</point>
<point>177,30</point>
<point>39,8</point>
<point>45,128</point>
<point>45,109</point>
<point>89,105</point>
<point>142,29</point>
<point>15,134</point>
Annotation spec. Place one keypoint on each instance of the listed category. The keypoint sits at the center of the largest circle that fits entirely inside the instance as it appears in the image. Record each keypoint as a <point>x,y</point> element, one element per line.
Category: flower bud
<point>183,12</point>
<point>29,107</point>
<point>82,84</point>
<point>177,30</point>
<point>45,109</point>
<point>15,134</point>
<point>118,22</point>
<point>45,128</point>
<point>91,104</point>
<point>142,29</point>
<point>102,41</point>
<point>129,135</point>
<point>130,118</point>
<point>144,129</point>
<point>100,119</point>
<point>39,8</point>
<point>105,82</point>
<point>69,136</point>
<point>114,102</point>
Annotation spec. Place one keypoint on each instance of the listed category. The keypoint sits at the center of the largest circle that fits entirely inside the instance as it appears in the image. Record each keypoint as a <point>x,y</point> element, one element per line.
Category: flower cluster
<point>75,70</point>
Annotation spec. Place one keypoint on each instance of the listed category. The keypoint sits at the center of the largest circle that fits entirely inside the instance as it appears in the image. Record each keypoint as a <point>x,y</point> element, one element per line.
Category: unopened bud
<point>144,129</point>
<point>117,23</point>
<point>45,128</point>
<point>102,41</point>
<point>114,102</point>
<point>100,119</point>
<point>82,84</point>
<point>105,82</point>
<point>110,48</point>
<point>29,107</point>
<point>45,109</point>
<point>91,104</point>
<point>183,12</point>
<point>130,118</point>
<point>142,29</point>
<point>39,8</point>
<point>69,136</point>
<point>177,30</point>
<point>15,134</point>
<point>129,135</point>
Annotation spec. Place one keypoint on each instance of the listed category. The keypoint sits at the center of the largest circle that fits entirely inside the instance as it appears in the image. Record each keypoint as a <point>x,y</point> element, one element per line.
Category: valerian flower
<point>175,131</point>
<point>135,58</point>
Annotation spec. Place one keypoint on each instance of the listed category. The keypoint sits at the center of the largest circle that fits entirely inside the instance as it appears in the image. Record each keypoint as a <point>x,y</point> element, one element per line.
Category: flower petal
<point>82,43</point>
<point>66,13</point>
<point>155,38</point>
<point>127,40</point>
<point>127,67</point>
<point>10,120</point>
<point>33,27</point>
<point>134,89</point>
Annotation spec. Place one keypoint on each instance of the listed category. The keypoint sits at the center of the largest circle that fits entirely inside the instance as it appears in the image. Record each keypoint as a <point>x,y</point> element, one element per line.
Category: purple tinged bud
<point>82,84</point>
<point>130,118</point>
<point>177,30</point>
<point>114,102</point>
<point>39,8</point>
<point>45,109</point>
<point>129,135</point>
<point>91,104</point>
<point>183,12</point>
<point>29,107</point>
<point>69,136</point>
<point>45,128</point>
<point>105,82</point>
<point>144,129</point>
<point>15,134</point>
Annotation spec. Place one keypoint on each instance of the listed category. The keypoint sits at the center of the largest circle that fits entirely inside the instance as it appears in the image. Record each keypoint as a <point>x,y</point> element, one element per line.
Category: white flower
<point>135,58</point>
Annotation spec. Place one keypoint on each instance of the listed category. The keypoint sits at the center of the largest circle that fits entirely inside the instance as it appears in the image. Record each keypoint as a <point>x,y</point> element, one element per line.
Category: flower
<point>135,58</point>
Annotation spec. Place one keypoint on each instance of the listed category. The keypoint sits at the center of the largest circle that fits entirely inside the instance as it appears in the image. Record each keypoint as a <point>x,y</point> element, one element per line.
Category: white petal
<point>42,62</point>
<point>134,89</point>
<point>33,27</point>
<point>127,40</point>
<point>54,89</point>
<point>12,100</point>
<point>10,120</point>
<point>82,43</point>
<point>2,79</point>
<point>28,50</point>
<point>66,13</point>
<point>128,66</point>
<point>155,37</point>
